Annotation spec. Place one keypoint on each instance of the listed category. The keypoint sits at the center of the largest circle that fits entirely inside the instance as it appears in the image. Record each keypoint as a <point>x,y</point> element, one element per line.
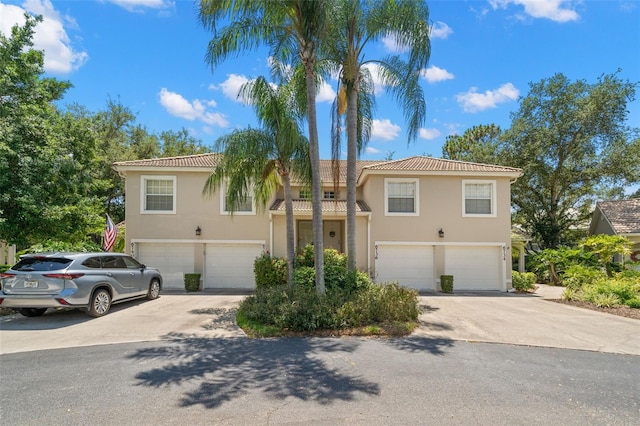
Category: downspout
<point>369,244</point>
<point>270,233</point>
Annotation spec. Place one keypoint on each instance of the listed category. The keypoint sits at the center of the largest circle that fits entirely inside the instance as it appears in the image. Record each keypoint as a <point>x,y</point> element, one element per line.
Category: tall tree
<point>356,25</point>
<point>477,144</point>
<point>180,143</point>
<point>46,157</point>
<point>294,30</point>
<point>254,159</point>
<point>572,140</point>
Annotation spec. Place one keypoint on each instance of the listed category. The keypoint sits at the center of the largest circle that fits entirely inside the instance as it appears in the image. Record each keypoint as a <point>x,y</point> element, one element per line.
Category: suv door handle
<point>109,274</point>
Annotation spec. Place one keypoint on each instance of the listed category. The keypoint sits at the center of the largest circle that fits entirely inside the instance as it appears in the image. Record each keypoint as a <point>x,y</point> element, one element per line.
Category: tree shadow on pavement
<point>431,345</point>
<point>230,368</point>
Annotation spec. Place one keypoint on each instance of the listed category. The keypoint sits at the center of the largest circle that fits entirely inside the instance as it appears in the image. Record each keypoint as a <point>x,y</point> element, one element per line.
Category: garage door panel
<point>410,265</point>
<point>173,261</point>
<point>473,268</point>
<point>231,265</point>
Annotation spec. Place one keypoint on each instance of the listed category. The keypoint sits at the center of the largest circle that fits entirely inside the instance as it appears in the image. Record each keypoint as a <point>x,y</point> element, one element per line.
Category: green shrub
<point>303,309</point>
<point>4,267</point>
<point>633,303</point>
<point>304,257</point>
<point>577,276</point>
<point>270,271</point>
<point>192,282</point>
<point>523,281</point>
<point>605,300</point>
<point>305,277</point>
<point>62,246</point>
<point>380,304</point>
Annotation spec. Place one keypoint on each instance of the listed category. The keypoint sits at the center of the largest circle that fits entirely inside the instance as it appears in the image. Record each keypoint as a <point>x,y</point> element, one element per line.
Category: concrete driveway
<point>523,319</point>
<point>483,317</point>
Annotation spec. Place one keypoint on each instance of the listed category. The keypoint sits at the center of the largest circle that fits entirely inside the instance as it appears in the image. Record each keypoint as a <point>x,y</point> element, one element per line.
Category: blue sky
<point>149,55</point>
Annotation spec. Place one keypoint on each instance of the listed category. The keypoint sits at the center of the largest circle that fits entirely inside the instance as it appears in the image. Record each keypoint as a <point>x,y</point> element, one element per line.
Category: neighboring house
<point>621,217</point>
<point>417,218</point>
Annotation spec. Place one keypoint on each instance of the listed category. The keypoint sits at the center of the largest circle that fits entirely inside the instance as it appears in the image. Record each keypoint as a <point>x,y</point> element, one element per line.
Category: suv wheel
<point>100,303</point>
<point>154,290</point>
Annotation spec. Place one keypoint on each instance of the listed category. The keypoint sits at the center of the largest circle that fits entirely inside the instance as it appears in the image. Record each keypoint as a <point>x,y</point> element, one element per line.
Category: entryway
<point>332,233</point>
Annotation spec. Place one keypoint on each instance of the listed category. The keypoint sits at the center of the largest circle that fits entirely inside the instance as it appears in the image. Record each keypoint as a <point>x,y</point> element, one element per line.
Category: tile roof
<point>623,215</point>
<point>208,161</point>
<point>327,206</point>
<point>421,164</point>
<point>411,164</point>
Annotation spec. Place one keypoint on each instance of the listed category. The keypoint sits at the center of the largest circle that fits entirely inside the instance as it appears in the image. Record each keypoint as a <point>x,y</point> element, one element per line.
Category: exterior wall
<point>192,211</point>
<point>440,207</point>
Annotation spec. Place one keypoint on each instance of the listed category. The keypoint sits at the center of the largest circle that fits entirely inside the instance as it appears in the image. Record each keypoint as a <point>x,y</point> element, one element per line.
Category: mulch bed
<point>623,311</point>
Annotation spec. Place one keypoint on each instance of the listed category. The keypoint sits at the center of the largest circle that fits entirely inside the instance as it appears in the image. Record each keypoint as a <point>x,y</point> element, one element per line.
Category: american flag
<point>110,233</point>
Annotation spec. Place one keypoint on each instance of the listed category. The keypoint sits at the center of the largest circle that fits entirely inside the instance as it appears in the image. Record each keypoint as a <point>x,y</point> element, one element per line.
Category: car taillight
<point>62,301</point>
<point>63,276</point>
<point>5,275</point>
<point>1,300</point>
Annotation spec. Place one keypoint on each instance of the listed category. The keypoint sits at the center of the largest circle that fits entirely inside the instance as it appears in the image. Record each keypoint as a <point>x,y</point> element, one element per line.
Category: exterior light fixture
<point>198,231</point>
<point>441,233</point>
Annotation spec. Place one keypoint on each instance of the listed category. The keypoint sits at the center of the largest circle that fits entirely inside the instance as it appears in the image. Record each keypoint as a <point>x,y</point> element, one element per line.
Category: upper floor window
<point>401,197</point>
<point>305,194</point>
<point>245,206</point>
<point>329,195</point>
<point>479,198</point>
<point>158,194</point>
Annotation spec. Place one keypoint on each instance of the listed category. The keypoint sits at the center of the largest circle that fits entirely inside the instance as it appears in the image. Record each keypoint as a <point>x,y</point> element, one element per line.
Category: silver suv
<point>92,281</point>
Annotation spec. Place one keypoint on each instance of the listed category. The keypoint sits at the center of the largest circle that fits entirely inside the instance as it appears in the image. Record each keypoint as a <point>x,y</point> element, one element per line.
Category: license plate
<point>31,284</point>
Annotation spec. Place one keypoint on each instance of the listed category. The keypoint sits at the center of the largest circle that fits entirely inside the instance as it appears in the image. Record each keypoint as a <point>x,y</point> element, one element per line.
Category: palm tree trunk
<point>352,152</point>
<point>314,157</point>
<point>288,202</point>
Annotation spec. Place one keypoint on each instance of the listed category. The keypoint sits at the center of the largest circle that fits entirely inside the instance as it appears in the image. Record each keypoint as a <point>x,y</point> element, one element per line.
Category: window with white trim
<point>329,195</point>
<point>479,198</point>
<point>401,197</point>
<point>305,194</point>
<point>158,194</point>
<point>245,207</point>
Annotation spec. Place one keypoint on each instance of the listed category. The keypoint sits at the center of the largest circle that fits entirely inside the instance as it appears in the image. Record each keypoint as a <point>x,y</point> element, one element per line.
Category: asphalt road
<point>323,381</point>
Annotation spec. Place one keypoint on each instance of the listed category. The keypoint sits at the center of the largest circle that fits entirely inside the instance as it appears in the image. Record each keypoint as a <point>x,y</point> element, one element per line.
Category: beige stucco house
<point>417,218</point>
<point>619,217</point>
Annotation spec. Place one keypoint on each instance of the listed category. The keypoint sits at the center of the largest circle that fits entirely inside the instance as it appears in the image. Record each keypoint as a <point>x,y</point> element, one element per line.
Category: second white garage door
<point>173,261</point>
<point>230,265</point>
<point>409,265</point>
<point>474,268</point>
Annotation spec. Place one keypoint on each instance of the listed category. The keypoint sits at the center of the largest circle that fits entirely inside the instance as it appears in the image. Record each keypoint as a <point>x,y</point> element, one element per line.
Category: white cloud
<point>231,86</point>
<point>374,70</point>
<point>50,35</point>
<point>178,106</point>
<point>429,134</point>
<point>326,93</point>
<point>384,130</point>
<point>434,74</point>
<point>372,150</point>
<point>139,5</point>
<point>440,30</point>
<point>472,101</point>
<point>556,10</point>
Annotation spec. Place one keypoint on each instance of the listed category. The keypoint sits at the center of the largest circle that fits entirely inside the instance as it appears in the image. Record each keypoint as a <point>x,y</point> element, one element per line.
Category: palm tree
<point>254,159</point>
<point>355,25</point>
<point>294,30</point>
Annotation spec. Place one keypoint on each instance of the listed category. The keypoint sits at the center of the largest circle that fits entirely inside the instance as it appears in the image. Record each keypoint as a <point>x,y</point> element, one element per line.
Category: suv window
<point>132,263</point>
<point>41,264</point>
<point>92,262</point>
<point>111,262</point>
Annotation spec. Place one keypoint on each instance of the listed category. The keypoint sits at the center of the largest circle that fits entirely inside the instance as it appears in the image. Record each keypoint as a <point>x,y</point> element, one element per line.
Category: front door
<point>331,231</point>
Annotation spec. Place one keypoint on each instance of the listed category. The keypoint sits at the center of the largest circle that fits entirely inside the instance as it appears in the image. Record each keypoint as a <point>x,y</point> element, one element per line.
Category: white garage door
<point>230,265</point>
<point>409,265</point>
<point>173,261</point>
<point>474,268</point>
